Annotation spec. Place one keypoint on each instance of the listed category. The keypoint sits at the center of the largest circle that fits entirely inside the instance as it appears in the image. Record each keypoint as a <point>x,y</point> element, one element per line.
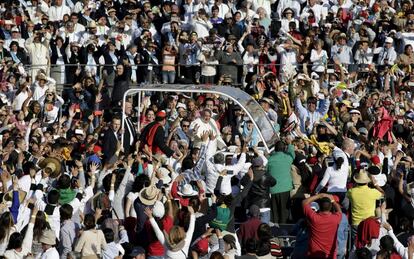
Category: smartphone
<point>1,138</point>
<point>208,195</point>
<point>330,71</point>
<point>230,172</point>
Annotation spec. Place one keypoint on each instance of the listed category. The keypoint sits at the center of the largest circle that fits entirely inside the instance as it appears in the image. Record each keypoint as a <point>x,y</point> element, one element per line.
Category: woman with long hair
<point>51,104</point>
<point>40,225</point>
<point>177,242</point>
<point>92,241</point>
<point>6,229</point>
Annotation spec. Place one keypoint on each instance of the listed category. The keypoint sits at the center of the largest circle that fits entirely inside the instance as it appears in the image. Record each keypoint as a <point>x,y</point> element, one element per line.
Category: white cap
<point>181,105</point>
<point>158,211</point>
<point>389,40</point>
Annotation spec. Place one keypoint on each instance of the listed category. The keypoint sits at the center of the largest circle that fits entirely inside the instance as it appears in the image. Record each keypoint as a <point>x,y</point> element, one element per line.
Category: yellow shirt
<point>362,200</point>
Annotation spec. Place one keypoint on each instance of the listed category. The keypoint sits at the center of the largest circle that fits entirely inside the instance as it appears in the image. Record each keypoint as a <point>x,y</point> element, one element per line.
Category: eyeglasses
<point>185,125</point>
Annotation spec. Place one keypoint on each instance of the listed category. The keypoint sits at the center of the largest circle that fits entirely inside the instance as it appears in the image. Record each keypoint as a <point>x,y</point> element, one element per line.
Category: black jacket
<point>54,57</point>
<point>259,193</point>
<point>109,144</point>
<point>121,85</point>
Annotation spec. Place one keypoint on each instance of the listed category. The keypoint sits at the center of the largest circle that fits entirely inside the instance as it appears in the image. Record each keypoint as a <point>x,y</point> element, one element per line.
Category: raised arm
<point>155,227</point>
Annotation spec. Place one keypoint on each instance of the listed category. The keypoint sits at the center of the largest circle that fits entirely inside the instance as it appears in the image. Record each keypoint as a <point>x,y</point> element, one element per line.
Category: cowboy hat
<point>187,191</point>
<point>362,177</point>
<point>92,24</point>
<point>148,195</point>
<point>8,196</point>
<point>48,237</point>
<point>267,100</point>
<point>53,164</point>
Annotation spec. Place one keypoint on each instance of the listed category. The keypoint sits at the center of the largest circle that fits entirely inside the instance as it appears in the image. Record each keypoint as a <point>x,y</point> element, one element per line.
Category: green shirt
<point>279,167</point>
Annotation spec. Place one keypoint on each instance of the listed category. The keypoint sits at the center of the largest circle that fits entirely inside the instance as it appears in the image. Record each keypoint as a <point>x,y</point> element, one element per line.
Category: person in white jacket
<point>174,249</point>
<point>335,176</point>
<point>217,164</point>
<point>404,252</point>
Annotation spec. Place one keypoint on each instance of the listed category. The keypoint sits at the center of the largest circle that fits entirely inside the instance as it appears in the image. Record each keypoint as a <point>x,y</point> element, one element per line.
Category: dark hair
<point>224,199</point>
<point>250,246</point>
<point>214,7</point>
<point>363,253</point>
<point>279,146</point>
<point>387,243</point>
<point>158,119</point>
<point>6,222</point>
<point>40,225</point>
<point>53,197</point>
<point>188,163</point>
<point>89,221</point>
<point>140,182</point>
<point>15,241</point>
<point>109,235</point>
<point>216,255</point>
<point>66,212</point>
<point>264,232</point>
<point>339,162</point>
<point>64,181</point>
<point>195,203</point>
<point>325,204</point>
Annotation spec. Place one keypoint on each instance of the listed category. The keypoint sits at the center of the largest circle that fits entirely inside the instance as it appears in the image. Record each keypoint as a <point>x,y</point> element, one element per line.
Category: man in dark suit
<point>111,139</point>
<point>153,135</point>
<point>130,133</point>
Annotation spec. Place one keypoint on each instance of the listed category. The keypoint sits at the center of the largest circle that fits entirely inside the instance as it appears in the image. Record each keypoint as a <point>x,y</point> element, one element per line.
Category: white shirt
<point>250,59</point>
<point>408,38</point>
<point>189,11</point>
<point>56,13</point>
<point>387,54</point>
<point>19,100</point>
<point>319,60</point>
<point>201,27</point>
<point>223,10</point>
<point>343,53</point>
<point>50,253</point>
<point>264,4</point>
<point>363,56</point>
<point>335,178</point>
<point>285,23</point>
<point>317,10</point>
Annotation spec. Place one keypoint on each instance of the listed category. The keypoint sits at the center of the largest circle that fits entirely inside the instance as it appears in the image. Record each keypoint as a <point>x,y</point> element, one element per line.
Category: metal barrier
<point>178,68</point>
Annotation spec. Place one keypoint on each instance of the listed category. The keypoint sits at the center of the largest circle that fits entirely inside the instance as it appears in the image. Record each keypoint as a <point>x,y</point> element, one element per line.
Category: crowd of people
<point>86,175</point>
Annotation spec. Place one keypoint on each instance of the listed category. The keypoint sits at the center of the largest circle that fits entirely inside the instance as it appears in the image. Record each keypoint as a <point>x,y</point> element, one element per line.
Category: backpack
<point>222,219</point>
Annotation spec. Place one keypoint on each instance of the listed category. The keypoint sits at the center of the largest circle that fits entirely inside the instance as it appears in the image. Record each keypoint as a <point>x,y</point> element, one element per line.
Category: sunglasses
<point>185,126</point>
